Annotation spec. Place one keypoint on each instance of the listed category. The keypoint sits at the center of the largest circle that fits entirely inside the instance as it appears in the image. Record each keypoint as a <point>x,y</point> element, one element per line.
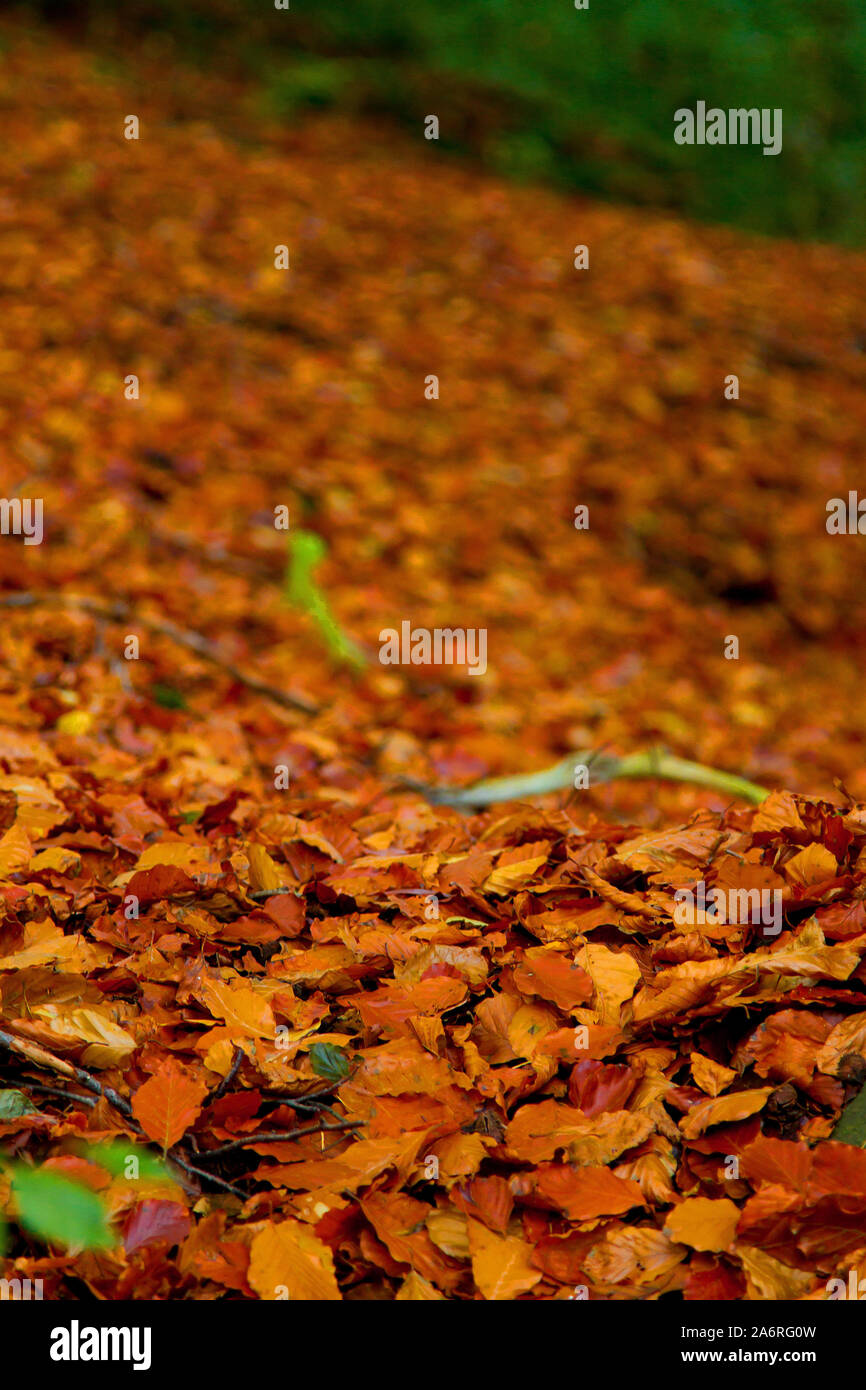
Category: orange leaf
<point>168,1103</point>
<point>554,976</point>
<point>584,1193</point>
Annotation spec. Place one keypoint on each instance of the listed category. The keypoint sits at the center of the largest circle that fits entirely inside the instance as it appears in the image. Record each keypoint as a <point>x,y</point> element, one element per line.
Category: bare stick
<point>278,1138</point>
<point>603,767</point>
<point>57,1091</point>
<point>229,1077</point>
<point>41,1057</point>
<point>117,612</point>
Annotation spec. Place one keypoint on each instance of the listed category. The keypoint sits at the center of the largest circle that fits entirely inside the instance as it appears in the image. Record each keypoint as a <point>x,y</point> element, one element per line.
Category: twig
<point>262,893</point>
<point>605,768</point>
<point>41,1057</point>
<point>280,1137</point>
<point>193,641</point>
<point>315,1107</point>
<point>229,1077</point>
<point>57,1091</point>
<point>207,1177</point>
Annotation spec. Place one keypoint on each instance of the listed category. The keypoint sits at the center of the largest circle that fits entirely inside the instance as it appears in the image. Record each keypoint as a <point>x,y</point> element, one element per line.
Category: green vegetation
<point>58,1209</point>
<point>300,590</point>
<point>581,98</point>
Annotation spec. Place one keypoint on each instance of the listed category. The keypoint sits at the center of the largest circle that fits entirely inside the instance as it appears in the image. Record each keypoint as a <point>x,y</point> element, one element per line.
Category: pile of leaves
<point>389,1052</point>
<point>272,1023</point>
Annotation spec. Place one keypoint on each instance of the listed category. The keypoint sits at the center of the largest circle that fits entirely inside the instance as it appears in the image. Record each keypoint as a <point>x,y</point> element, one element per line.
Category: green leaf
<point>15,1103</point>
<point>115,1157</point>
<point>329,1061</point>
<point>851,1128</point>
<point>168,697</point>
<point>57,1210</point>
<point>300,589</point>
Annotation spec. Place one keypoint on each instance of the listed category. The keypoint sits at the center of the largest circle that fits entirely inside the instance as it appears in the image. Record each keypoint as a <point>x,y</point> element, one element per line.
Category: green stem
<point>672,769</point>
<point>603,767</point>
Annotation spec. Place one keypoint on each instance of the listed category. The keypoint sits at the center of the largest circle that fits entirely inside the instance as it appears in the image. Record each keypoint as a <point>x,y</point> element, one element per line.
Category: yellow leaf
<point>723,1110</point>
<point>43,943</point>
<point>614,975</point>
<point>848,1036</point>
<point>516,867</point>
<point>38,808</point>
<point>449,1231</point>
<point>75,721</point>
<point>246,1012</point>
<point>15,850</point>
<point>500,1264</point>
<point>461,1155</point>
<point>416,1289</point>
<point>290,1260</point>
<point>778,812</point>
<point>108,1044</point>
<point>58,860</point>
<point>768,1278</point>
<point>711,1076</point>
<point>814,864</point>
<point>530,1024</point>
<point>703,1223</point>
<point>264,873</point>
<point>181,854</point>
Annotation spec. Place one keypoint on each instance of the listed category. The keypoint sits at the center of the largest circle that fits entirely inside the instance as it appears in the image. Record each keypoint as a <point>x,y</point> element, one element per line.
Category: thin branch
<point>229,1077</point>
<point>41,1057</point>
<point>315,1107</point>
<point>262,893</point>
<point>57,1091</point>
<point>117,612</point>
<point>603,768</point>
<point>280,1137</point>
<point>207,1177</point>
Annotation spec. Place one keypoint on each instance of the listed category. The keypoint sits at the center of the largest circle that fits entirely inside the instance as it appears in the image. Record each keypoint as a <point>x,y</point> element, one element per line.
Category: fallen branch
<point>261,894</point>
<point>58,1091</point>
<point>41,1057</point>
<point>603,767</point>
<point>182,1163</point>
<point>220,1089</point>
<point>280,1137</point>
<point>117,612</point>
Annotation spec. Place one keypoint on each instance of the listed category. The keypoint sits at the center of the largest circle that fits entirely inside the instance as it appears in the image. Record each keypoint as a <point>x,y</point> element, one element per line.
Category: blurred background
<point>540,91</point>
<point>559,387</point>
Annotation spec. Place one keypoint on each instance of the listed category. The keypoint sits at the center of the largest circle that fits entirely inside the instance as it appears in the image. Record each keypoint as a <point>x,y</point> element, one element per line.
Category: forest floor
<point>224,915</point>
